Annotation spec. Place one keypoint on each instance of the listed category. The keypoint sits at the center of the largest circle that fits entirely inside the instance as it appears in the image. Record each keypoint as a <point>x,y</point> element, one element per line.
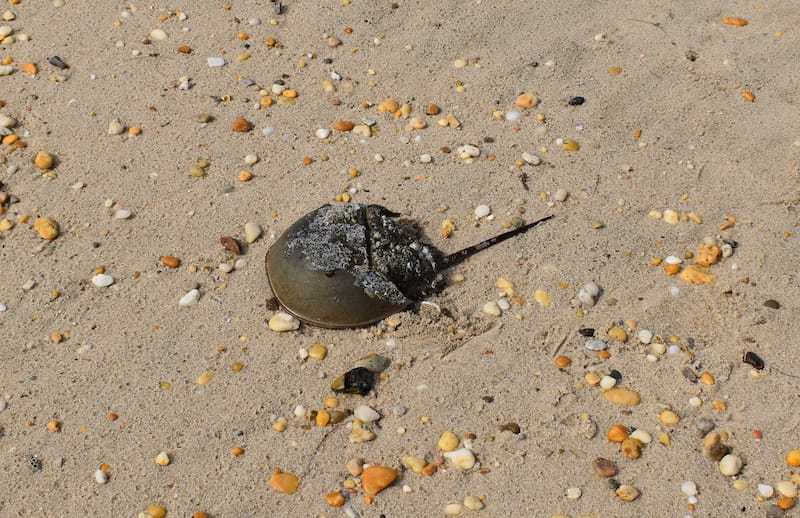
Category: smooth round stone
<point>560,195</point>
<point>225,268</point>
<point>399,410</point>
<point>115,127</point>
<point>730,465</point>
<point>191,298</point>
<point>322,133</point>
<point>503,304</point>
<point>462,457</point>
<point>587,295</point>
<point>216,62</point>
<point>100,476</point>
<point>123,214</point>
<point>481,211</point>
<point>102,280</point>
<point>282,322</point>
<point>366,414</point>
<point>532,159</point>
<point>158,35</point>
<point>607,382</point>
<point>2,307</point>
<point>468,151</point>
<point>425,158</point>
<point>645,336</point>
<point>513,116</point>
<point>574,493</point>
<point>673,259</point>
<point>453,509</point>
<point>473,503</point>
<point>7,122</point>
<point>689,488</point>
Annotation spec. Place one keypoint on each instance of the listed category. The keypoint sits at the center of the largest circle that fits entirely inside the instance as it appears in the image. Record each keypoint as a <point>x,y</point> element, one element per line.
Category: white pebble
<point>560,195</point>
<point>366,414</point>
<point>250,159</point>
<point>269,130</point>
<point>240,263</point>
<point>468,151</point>
<point>659,348</point>
<point>532,159</point>
<point>407,488</point>
<point>115,127</point>
<point>765,490</point>
<point>123,214</point>
<point>453,509</point>
<point>513,116</point>
<point>673,259</point>
<point>302,353</point>
<point>6,121</point>
<point>322,133</point>
<point>730,465</point>
<point>689,488</point>
<point>503,304</point>
<point>158,34</point>
<point>588,294</point>
<point>2,307</point>
<point>595,344</point>
<point>100,476</point>
<point>574,493</point>
<point>608,382</point>
<point>282,322</point>
<point>642,435</point>
<point>786,488</point>
<point>191,298</point>
<point>216,62</point>
<point>695,401</point>
<point>299,411</point>
<point>29,284</point>
<point>492,308</point>
<point>252,231</point>
<point>2,404</point>
<point>102,280</point>
<point>425,158</point>
<point>225,268</point>
<point>6,70</point>
<point>481,211</point>
<point>673,349</point>
<point>645,336</point>
<point>462,457</point>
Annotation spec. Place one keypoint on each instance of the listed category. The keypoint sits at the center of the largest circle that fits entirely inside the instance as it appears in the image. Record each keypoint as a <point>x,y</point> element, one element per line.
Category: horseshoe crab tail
<point>458,257</point>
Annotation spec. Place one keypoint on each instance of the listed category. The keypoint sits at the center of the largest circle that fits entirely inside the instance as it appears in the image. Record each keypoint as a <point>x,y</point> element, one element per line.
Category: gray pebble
<point>399,410</point>
<point>704,425</point>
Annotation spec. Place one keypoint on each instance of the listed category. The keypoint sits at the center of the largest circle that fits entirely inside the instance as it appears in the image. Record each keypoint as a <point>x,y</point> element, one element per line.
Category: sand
<point>131,350</point>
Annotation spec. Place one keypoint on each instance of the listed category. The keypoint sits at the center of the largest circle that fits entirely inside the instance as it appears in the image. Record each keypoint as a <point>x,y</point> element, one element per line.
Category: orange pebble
<point>615,71</point>
<point>617,433</point>
<point>307,160</point>
<point>185,49</point>
<point>707,378</point>
<point>604,354</point>
<point>749,96</point>
<point>265,102</point>
<point>757,435</point>
<point>241,125</point>
<point>135,130</point>
<point>30,68</point>
<point>56,338</point>
<point>289,93</point>
<point>237,450</point>
<point>111,416</point>
<point>335,499</point>
<point>54,426</point>
<point>105,467</point>
<point>343,125</point>
<point>243,36</point>
<point>708,255</point>
<point>170,261</point>
<point>199,514</point>
<point>562,362</point>
<point>526,100</point>
<point>785,503</point>
<point>733,20</point>
<point>793,458</point>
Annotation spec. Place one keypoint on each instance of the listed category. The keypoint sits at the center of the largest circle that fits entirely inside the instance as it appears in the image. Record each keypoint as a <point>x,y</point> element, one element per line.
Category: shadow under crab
<point>351,265</point>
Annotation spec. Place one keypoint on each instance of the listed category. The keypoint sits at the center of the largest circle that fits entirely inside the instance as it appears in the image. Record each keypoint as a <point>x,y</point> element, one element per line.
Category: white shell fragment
<point>588,294</point>
<point>102,280</point>
<point>366,414</point>
<point>191,298</point>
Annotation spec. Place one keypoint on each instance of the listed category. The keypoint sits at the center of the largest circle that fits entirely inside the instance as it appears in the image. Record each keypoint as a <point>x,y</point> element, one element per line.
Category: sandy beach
<point>633,356</point>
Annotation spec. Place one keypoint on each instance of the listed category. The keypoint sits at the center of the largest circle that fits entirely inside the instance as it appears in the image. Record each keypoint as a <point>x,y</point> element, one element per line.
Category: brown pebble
<point>604,467</point>
<point>627,493</point>
<point>632,448</point>
<point>230,244</point>
<point>718,450</point>
<point>241,125</point>
<point>432,109</point>
<point>562,362</point>
<point>184,49</point>
<point>375,479</point>
<point>43,160</point>
<point>343,125</point>
<point>47,228</point>
<point>170,261</point>
<point>773,304</point>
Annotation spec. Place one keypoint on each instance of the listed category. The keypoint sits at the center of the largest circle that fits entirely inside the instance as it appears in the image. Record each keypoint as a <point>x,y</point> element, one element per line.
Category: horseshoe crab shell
<point>351,265</point>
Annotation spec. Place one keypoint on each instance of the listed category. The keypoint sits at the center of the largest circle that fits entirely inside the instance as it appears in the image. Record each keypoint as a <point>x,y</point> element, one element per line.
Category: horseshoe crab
<point>350,265</point>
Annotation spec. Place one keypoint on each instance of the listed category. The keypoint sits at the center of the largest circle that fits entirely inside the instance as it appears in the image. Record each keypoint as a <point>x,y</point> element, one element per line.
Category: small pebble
<point>689,488</point>
<point>786,488</point>
<point>366,414</point>
<point>492,308</point>
<point>100,476</point>
<point>453,509</point>
<point>462,457</point>
<point>216,62</point>
<point>281,482</point>
<point>252,231</point>
<point>604,467</point>
<point>43,160</point>
<point>607,382</point>
<point>448,441</point>
<point>102,280</point>
<point>47,228</point>
<point>158,35</point>
<point>191,298</point>
<point>772,304</point>
<point>596,344</point>
<point>322,133</point>
<point>645,336</point>
<point>574,493</point>
<point>162,459</point>
<point>473,503</point>
<point>123,214</point>
<point>587,295</point>
<point>375,479</point>
<point>765,490</point>
<point>730,465</point>
<point>115,127</point>
<point>560,195</point>
<point>481,211</point>
<point>627,493</point>
<point>282,322</point>
<point>622,396</point>
<point>251,159</point>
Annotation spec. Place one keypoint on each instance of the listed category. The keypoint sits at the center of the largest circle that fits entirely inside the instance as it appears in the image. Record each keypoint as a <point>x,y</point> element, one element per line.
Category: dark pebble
<point>57,62</point>
<point>691,55</point>
<point>604,467</point>
<point>717,451</point>
<point>588,332</point>
<point>488,399</point>
<point>34,463</point>
<point>230,244</point>
<point>358,381</point>
<point>689,374</point>
<point>577,101</point>
<point>753,359</point>
<point>613,484</point>
<point>774,304</point>
<point>617,375</point>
